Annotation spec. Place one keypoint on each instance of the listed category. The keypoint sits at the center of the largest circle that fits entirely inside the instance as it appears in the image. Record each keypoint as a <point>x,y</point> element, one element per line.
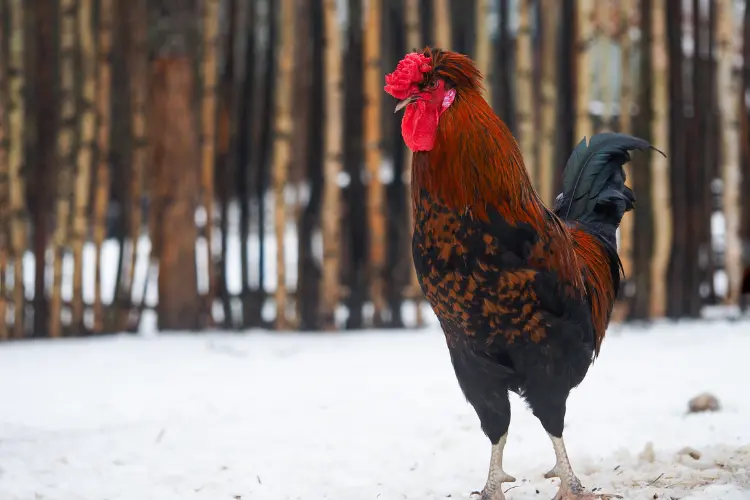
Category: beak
<point>401,105</point>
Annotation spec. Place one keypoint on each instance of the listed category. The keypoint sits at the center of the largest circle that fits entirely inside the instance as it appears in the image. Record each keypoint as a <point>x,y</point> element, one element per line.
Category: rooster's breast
<point>481,277</point>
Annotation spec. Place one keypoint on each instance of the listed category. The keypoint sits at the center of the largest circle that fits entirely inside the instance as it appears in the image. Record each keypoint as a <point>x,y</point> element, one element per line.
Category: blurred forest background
<point>133,133</point>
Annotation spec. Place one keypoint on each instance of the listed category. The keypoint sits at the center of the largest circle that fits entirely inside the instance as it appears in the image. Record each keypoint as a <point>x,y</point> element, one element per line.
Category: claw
<point>550,474</point>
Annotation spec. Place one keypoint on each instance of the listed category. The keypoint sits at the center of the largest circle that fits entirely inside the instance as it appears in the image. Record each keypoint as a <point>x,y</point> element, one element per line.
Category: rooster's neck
<point>477,164</point>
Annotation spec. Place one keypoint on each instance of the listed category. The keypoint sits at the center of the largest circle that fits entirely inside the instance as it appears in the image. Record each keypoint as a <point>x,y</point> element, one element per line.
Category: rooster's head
<point>427,83</point>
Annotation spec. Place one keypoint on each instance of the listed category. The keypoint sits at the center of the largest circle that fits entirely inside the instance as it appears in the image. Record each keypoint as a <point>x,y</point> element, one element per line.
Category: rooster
<point>523,293</point>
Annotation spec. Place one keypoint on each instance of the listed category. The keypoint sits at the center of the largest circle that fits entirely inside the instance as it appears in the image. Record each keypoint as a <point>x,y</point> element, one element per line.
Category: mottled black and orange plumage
<point>523,293</point>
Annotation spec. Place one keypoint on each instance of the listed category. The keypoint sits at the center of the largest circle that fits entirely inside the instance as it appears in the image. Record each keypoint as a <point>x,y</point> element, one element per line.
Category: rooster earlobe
<point>450,95</point>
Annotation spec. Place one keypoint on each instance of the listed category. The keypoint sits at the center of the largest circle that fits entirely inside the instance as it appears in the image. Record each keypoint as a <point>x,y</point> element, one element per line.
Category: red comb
<point>407,73</point>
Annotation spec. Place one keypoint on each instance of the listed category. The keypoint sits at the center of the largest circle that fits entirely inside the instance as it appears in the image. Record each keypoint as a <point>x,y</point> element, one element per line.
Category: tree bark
<point>208,138</point>
<point>524,91</point>
<point>641,178</point>
<point>4,180</point>
<point>308,288</point>
<point>659,164</point>
<point>483,47</point>
<point>442,16</point>
<point>282,150</point>
<point>43,114</point>
<point>584,38</point>
<point>729,96</point>
<point>65,155</point>
<point>101,192</point>
<point>675,290</point>
<point>176,185</point>
<point>138,69</point>
<point>332,166</point>
<point>16,157</point>
<point>226,159</point>
<point>245,157</point>
<point>745,141</point>
<point>85,155</point>
<point>354,194</point>
<point>548,116</point>
<point>374,158</point>
<point>626,125</point>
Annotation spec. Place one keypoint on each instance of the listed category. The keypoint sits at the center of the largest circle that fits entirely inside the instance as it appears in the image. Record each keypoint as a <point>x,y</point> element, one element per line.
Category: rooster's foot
<point>570,486</point>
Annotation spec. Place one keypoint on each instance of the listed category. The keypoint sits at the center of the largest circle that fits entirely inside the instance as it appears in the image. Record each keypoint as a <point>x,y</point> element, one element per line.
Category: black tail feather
<point>594,190</point>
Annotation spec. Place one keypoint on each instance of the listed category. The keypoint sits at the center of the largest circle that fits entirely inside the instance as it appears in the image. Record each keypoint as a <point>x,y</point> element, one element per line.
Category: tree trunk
<point>226,159</point>
<point>584,40</point>
<point>208,137</point>
<point>675,291</point>
<point>65,155</point>
<point>176,185</point>
<point>4,185</point>
<point>745,142</point>
<point>308,285</point>
<point>729,96</point>
<point>16,159</point>
<point>627,7</point>
<point>101,193</point>
<point>282,150</point>
<point>85,156</point>
<point>354,195</point>
<point>44,116</point>
<point>524,91</point>
<point>264,143</point>
<point>374,158</point>
<point>603,39</point>
<point>483,46</point>
<point>137,48</point>
<point>442,16</point>
<point>659,164</point>
<point>698,254</point>
<point>332,166</point>
<point>245,156</point>
<point>413,37</point>
<point>641,178</point>
<point>547,165</point>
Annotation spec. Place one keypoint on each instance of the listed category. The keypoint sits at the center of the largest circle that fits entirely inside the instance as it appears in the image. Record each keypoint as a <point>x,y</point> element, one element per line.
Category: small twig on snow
<point>654,481</point>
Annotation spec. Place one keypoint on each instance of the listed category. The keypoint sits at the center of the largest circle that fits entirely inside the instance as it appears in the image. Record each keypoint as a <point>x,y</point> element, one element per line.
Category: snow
<point>356,416</point>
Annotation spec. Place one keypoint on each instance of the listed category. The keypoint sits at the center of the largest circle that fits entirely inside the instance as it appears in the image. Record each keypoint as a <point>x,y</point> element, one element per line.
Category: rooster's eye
<point>432,85</point>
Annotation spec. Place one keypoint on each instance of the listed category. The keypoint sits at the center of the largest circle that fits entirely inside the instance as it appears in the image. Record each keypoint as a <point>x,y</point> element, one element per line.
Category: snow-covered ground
<point>349,417</point>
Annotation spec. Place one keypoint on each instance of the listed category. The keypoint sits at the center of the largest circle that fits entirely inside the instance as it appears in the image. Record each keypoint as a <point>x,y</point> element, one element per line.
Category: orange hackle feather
<point>476,163</point>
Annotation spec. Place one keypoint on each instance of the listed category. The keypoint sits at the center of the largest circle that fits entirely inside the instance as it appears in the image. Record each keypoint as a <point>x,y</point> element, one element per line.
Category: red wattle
<point>419,126</point>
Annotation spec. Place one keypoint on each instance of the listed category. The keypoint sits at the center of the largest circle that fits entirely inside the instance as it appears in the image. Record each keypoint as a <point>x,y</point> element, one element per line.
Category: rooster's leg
<point>570,486</point>
<point>493,490</point>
